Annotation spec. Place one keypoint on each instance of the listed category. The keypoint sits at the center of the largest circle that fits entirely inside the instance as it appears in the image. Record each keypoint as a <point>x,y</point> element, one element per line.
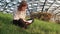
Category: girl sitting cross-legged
<point>20,14</point>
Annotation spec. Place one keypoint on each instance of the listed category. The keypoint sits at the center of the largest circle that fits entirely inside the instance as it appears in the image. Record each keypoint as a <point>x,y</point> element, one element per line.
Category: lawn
<point>38,27</point>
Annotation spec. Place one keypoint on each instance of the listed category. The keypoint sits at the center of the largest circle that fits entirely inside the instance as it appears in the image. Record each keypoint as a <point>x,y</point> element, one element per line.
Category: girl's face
<point>24,8</point>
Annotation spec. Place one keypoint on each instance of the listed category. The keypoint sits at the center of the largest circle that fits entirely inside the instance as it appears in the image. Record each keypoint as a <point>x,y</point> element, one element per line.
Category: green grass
<point>38,27</point>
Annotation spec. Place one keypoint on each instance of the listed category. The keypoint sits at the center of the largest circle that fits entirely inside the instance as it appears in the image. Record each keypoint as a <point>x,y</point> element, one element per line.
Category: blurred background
<point>46,14</point>
<point>34,6</point>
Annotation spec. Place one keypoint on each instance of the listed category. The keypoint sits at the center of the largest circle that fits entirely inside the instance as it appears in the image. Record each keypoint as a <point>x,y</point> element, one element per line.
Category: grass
<point>38,27</point>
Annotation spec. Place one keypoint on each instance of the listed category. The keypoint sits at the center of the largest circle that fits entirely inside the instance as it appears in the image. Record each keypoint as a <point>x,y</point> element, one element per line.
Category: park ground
<point>37,27</point>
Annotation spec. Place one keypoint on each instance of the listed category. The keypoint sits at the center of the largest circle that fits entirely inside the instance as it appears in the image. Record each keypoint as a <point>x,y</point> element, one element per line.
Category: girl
<point>20,14</point>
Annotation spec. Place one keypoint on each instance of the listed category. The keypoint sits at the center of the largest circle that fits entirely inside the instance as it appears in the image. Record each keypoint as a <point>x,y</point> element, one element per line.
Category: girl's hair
<point>22,4</point>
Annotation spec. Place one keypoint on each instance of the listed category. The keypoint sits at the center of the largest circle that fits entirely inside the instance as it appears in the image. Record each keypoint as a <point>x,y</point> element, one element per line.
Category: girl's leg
<point>15,22</point>
<point>22,23</point>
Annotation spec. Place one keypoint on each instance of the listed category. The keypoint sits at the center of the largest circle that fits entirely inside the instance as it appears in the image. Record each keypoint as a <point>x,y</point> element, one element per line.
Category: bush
<point>42,16</point>
<point>58,21</point>
<point>46,16</point>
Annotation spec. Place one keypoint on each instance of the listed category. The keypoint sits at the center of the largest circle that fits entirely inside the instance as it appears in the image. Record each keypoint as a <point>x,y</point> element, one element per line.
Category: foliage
<point>42,16</point>
<point>57,21</point>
